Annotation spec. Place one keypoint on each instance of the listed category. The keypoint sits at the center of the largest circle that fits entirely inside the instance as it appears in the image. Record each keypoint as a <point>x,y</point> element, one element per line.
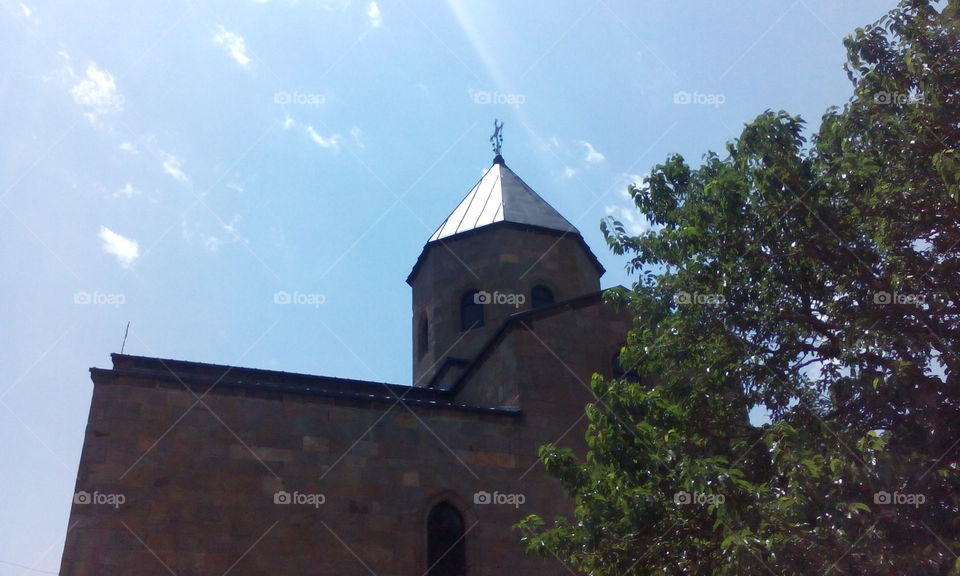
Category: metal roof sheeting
<point>501,196</point>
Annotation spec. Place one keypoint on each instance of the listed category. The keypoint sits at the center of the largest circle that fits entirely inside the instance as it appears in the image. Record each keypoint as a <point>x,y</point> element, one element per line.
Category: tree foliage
<point>820,282</point>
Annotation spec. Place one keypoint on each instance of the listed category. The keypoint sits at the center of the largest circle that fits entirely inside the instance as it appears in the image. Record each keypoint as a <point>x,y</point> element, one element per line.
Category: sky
<point>249,182</point>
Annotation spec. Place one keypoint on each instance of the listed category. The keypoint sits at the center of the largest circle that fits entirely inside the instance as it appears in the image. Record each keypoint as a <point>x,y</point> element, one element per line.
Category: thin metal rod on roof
<point>125,332</point>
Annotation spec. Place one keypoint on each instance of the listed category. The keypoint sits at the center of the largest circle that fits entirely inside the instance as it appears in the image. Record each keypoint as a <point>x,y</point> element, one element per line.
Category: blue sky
<point>178,164</point>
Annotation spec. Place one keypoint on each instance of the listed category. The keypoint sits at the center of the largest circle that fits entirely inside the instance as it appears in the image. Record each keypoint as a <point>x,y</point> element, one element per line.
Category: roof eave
<point>423,254</point>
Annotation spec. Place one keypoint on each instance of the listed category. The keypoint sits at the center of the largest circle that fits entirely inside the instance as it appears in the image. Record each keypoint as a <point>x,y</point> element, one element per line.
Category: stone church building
<point>190,468</point>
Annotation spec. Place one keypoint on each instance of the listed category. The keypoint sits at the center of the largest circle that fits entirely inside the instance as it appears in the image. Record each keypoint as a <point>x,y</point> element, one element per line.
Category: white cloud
<point>631,218</point>
<point>98,92</point>
<point>333,142</point>
<point>212,242</point>
<point>357,135</point>
<point>551,144</point>
<point>126,250</point>
<point>373,13</point>
<point>592,156</point>
<point>171,165</point>
<point>129,148</point>
<point>330,143</point>
<point>628,179</point>
<point>231,228</point>
<point>234,44</point>
<point>26,10</point>
<point>185,233</point>
<point>569,172</point>
<point>128,191</point>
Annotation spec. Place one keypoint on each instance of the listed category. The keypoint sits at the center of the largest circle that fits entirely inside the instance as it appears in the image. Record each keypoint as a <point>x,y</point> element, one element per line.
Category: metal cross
<point>497,138</point>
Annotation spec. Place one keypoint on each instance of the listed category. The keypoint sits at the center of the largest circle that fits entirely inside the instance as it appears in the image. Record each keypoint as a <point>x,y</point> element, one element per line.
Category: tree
<point>819,282</point>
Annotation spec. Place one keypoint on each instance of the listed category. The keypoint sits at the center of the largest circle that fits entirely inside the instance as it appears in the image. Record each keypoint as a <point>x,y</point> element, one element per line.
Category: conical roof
<point>501,196</point>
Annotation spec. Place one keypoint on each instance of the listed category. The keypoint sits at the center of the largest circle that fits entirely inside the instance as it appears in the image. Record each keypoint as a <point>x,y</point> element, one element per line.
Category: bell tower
<point>502,251</point>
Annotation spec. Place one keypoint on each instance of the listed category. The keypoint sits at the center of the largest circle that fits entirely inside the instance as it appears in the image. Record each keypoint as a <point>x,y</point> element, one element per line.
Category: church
<point>191,468</point>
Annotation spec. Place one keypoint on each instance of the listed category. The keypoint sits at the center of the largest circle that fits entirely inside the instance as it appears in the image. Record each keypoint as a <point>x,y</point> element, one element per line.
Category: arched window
<point>471,310</point>
<point>541,296</point>
<point>446,549</point>
<point>423,336</point>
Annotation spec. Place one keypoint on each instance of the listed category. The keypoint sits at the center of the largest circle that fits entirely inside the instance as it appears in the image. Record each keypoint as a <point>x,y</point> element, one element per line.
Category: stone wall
<point>502,258</point>
<point>198,471</point>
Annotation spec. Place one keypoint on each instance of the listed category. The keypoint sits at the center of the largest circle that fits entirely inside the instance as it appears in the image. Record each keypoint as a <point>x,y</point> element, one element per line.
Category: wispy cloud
<point>126,250</point>
<point>357,135</point>
<point>129,148</point>
<point>373,13</point>
<point>213,240</point>
<point>234,44</point>
<point>172,166</point>
<point>627,213</point>
<point>98,92</point>
<point>592,156</point>
<point>128,191</point>
<point>332,142</point>
<point>26,10</point>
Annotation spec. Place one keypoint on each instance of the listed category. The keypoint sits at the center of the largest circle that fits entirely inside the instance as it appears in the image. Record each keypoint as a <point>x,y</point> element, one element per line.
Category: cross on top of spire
<point>497,138</point>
